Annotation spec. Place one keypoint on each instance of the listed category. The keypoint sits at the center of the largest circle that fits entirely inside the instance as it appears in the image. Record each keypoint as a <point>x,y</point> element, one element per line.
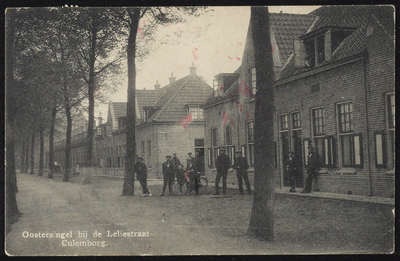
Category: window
<point>214,138</point>
<point>329,157</point>
<point>391,120</point>
<point>250,141</point>
<point>215,154</point>
<point>318,121</point>
<point>142,148</point>
<point>218,88</point>
<point>231,153</point>
<point>197,113</point>
<point>351,150</point>
<point>243,150</point>
<point>345,117</point>
<point>98,131</point>
<point>284,122</point>
<point>296,120</point>
<point>228,135</point>
<point>199,142</point>
<point>253,81</point>
<point>121,123</point>
<point>275,156</point>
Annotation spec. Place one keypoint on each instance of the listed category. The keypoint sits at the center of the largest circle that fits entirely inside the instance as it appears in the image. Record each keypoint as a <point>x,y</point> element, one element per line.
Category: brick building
<point>334,90</point>
<point>337,94</point>
<point>229,112</point>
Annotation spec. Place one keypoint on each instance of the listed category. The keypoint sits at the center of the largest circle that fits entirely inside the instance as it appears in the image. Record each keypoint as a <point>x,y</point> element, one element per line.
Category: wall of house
<point>380,70</point>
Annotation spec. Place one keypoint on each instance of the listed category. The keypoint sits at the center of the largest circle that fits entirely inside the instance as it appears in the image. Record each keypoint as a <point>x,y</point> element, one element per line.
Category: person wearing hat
<point>291,167</point>
<point>141,174</point>
<point>241,167</point>
<point>193,176</point>
<point>175,162</point>
<point>223,164</point>
<point>189,158</point>
<point>169,175</point>
<point>312,169</point>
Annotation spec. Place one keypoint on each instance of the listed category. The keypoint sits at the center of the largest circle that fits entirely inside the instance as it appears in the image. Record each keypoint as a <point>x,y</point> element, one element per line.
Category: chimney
<point>193,69</point>
<point>157,85</point>
<point>172,78</point>
<point>99,121</point>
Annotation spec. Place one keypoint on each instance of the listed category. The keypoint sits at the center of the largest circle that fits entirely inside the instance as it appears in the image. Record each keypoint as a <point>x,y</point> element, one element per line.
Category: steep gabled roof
<point>147,98</point>
<point>287,28</point>
<point>119,109</point>
<point>345,17</point>
<point>172,103</point>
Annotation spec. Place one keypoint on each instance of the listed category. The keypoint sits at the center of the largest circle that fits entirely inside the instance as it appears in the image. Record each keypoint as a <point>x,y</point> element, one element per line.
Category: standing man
<point>223,164</point>
<point>175,162</point>
<point>169,175</point>
<point>241,167</point>
<point>193,176</point>
<point>312,169</point>
<point>189,158</point>
<point>199,163</point>
<point>291,166</point>
<point>141,172</point>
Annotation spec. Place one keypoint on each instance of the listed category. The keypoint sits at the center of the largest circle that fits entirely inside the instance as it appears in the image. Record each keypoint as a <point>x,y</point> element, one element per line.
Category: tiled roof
<point>119,109</point>
<point>287,28</point>
<point>342,16</point>
<point>147,98</point>
<point>187,90</point>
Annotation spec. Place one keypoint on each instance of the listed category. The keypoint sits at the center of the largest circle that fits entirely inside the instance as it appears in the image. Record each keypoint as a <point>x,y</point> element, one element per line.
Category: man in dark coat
<point>223,164</point>
<point>141,173</point>
<point>175,162</point>
<point>193,176</point>
<point>199,163</point>
<point>292,168</point>
<point>312,169</point>
<point>169,175</point>
<point>241,167</point>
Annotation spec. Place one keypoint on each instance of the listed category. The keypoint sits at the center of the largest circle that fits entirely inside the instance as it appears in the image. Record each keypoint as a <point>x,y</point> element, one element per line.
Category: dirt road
<point>57,216</point>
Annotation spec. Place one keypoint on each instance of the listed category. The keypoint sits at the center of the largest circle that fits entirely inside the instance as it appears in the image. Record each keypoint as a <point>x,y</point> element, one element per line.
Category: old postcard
<point>200,130</point>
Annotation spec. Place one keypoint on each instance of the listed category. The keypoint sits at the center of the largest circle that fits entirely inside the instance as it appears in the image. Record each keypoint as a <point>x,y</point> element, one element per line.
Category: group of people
<point>293,167</point>
<point>172,168</point>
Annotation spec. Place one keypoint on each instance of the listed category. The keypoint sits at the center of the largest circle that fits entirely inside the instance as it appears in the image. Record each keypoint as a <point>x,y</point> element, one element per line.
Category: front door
<point>285,152</point>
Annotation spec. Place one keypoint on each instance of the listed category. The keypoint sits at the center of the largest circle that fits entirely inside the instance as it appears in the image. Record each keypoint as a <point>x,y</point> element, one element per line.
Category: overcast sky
<point>217,49</point>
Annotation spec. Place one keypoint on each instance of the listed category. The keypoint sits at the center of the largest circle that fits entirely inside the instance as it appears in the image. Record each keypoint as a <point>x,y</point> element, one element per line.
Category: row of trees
<point>58,58</point>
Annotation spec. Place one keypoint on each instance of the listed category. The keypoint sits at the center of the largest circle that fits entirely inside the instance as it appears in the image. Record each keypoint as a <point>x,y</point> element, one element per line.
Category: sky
<point>213,42</point>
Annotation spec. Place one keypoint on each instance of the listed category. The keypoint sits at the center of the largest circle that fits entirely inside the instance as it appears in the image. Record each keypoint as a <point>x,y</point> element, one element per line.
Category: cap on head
<point>174,154</point>
<point>190,153</point>
<point>290,152</point>
<point>310,147</point>
<point>140,158</point>
<point>168,156</point>
<point>239,152</point>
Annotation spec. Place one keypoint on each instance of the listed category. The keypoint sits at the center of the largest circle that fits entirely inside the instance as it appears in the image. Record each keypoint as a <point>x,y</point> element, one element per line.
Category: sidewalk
<point>359,198</point>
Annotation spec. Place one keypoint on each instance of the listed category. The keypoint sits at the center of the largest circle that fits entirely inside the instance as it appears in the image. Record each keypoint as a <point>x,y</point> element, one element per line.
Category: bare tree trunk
<point>51,142</point>
<point>26,169</point>
<point>262,219</point>
<point>128,187</point>
<point>40,173</point>
<point>67,167</point>
<point>12,211</point>
<point>92,59</point>
<point>33,154</point>
<point>22,163</point>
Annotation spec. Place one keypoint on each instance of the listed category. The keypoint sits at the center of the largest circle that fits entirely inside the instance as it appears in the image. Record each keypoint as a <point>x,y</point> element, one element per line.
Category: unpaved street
<point>184,225</point>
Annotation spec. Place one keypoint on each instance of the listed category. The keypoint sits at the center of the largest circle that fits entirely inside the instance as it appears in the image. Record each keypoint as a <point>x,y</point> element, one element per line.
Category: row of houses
<point>334,89</point>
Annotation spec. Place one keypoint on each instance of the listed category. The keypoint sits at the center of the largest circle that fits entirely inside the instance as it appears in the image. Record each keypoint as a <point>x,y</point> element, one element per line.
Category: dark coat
<point>176,162</point>
<point>180,174</point>
<point>141,170</point>
<point>200,164</point>
<point>168,167</point>
<point>241,165</point>
<point>223,163</point>
<point>291,165</point>
<point>313,162</point>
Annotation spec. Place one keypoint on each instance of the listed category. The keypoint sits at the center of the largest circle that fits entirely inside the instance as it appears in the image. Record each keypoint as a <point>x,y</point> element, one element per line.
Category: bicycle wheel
<point>176,190</point>
<point>203,184</point>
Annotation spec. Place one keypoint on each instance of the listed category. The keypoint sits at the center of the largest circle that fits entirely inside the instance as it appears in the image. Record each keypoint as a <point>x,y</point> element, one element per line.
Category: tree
<point>262,220</point>
<point>155,16</point>
<point>11,187</point>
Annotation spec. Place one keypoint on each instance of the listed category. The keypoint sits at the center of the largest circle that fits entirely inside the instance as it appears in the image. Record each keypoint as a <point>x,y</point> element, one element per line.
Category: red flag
<point>184,122</point>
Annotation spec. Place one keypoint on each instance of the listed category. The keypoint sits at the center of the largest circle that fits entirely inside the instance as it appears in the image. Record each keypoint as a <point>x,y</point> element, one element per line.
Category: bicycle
<point>176,190</point>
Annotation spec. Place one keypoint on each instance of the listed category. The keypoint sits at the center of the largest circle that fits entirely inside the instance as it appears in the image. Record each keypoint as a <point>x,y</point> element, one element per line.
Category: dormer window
<point>121,123</point>
<point>318,46</point>
<point>218,88</point>
<point>197,113</point>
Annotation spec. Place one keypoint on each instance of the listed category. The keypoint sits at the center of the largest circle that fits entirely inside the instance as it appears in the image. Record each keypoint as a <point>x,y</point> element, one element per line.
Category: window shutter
<point>299,54</point>
<point>306,143</point>
<point>334,152</point>
<point>358,150</point>
<point>328,45</point>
